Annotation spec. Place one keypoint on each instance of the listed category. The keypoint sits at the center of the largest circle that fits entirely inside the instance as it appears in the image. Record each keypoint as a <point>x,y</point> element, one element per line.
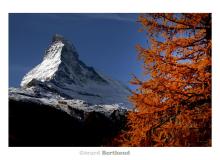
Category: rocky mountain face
<point>63,102</point>
<point>63,73</point>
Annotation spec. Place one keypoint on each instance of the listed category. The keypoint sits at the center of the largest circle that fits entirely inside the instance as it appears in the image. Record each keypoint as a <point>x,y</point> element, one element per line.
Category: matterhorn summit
<point>62,73</point>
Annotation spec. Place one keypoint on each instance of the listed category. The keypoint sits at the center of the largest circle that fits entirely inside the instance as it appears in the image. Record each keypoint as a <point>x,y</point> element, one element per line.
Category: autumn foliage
<point>173,106</point>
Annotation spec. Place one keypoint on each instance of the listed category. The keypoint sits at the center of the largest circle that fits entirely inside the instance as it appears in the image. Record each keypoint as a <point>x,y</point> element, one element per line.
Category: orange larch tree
<point>173,106</point>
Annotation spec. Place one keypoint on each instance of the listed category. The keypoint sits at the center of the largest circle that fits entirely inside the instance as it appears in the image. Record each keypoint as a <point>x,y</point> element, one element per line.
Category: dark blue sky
<point>104,41</point>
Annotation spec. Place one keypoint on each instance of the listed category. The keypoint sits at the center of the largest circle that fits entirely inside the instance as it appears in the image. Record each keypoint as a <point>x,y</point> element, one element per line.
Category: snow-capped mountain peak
<point>62,73</point>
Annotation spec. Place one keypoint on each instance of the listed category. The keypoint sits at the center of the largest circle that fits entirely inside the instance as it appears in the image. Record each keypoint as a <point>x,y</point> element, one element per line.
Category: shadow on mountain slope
<point>32,124</point>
